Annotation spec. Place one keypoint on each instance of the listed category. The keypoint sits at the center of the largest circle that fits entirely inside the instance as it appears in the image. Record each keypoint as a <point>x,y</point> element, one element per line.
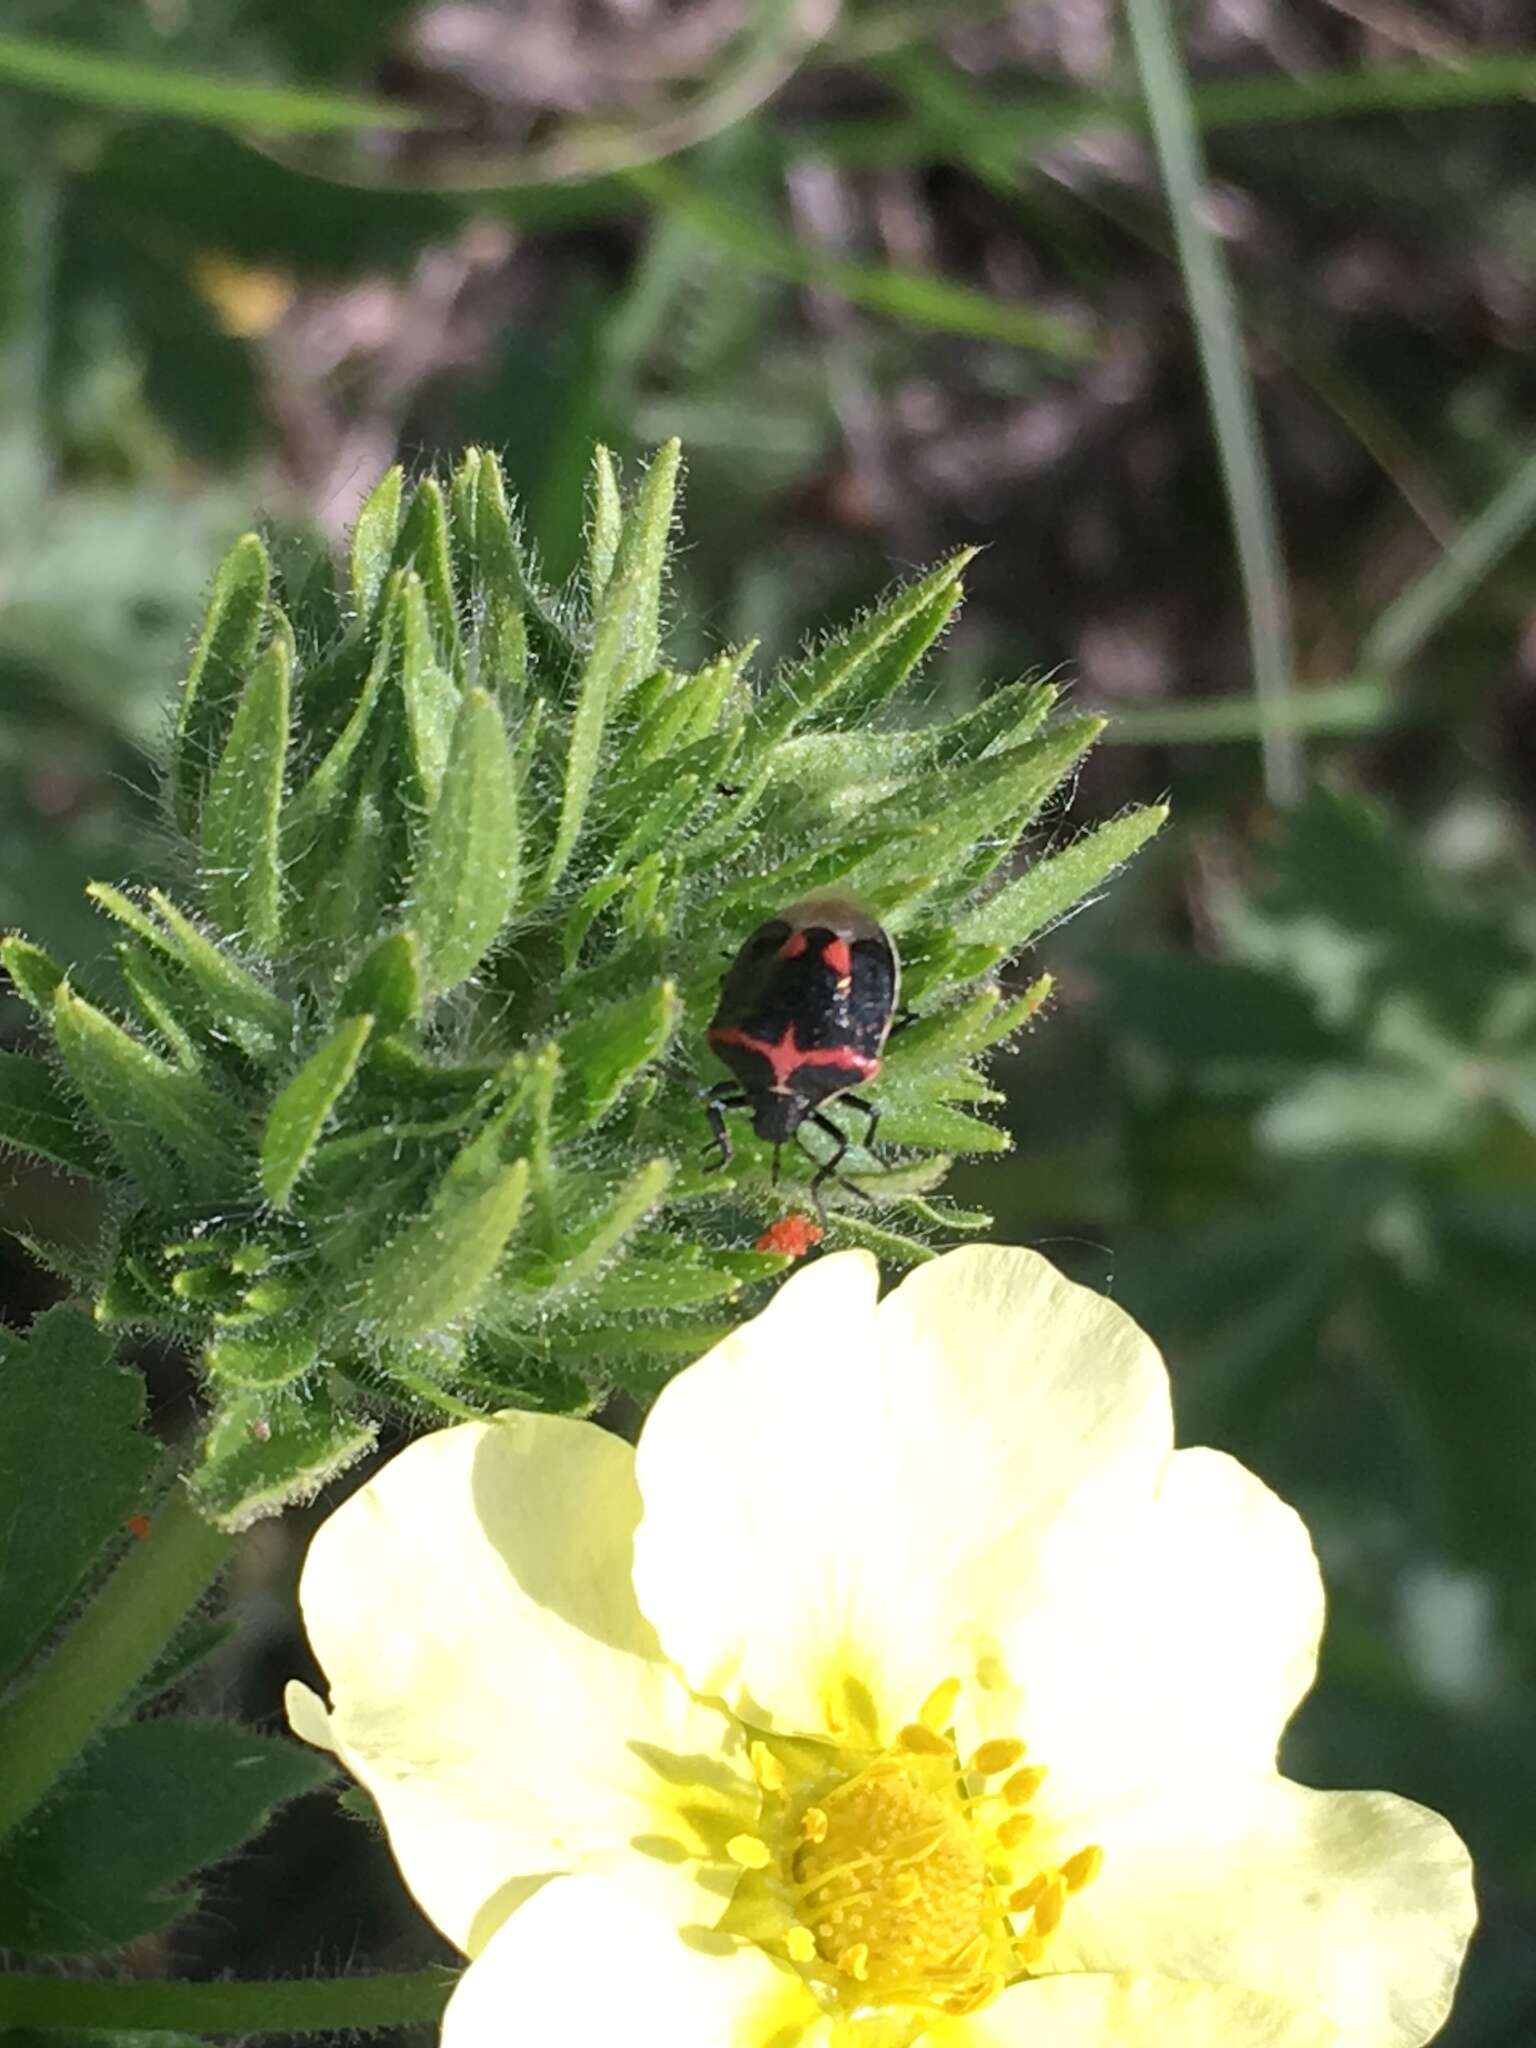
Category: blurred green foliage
<point>924,295</point>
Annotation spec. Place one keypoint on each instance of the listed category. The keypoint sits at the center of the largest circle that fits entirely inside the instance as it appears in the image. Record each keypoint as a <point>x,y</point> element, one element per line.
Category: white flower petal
<point>1139,2012</point>
<point>844,1507</point>
<point>494,1686</point>
<point>586,1965</point>
<point>1170,1639</point>
<point>1355,1904</point>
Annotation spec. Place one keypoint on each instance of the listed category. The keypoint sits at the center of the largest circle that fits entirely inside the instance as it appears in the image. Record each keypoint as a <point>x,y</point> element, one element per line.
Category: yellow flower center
<point>906,1877</point>
<point>895,1892</point>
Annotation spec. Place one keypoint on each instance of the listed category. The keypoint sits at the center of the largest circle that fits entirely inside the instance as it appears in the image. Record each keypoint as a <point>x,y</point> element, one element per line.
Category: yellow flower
<point>904,1686</point>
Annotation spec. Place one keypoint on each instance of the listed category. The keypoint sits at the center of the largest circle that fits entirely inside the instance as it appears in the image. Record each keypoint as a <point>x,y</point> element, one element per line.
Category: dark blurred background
<point>903,276</point>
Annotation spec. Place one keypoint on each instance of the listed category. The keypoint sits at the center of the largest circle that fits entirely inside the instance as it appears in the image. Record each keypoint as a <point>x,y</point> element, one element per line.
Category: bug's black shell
<point>765,997</point>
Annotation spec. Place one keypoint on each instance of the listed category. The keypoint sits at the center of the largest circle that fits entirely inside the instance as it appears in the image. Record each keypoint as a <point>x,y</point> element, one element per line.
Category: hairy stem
<point>102,1658</point>
<point>298,2006</point>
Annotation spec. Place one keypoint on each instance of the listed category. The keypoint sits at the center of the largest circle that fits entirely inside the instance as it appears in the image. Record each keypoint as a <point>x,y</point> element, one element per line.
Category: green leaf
<point>435,1269</point>
<point>35,975</point>
<point>596,692</point>
<point>892,666</point>
<point>467,871</point>
<point>1024,908</point>
<point>75,1462</point>
<point>814,686</point>
<point>300,1113</point>
<point>689,711</point>
<point>387,985</point>
<point>373,540</point>
<point>431,699</point>
<point>424,546</point>
<point>1005,718</point>
<point>268,1447</point>
<point>111,1858</point>
<point>169,1130</point>
<point>241,859</point>
<point>640,563</point>
<point>160,1000</point>
<point>939,1127</point>
<point>601,1056</point>
<point>582,1252</point>
<point>258,1021</point>
<point>519,610</point>
<point>606,523</point>
<point>266,1358</point>
<point>216,678</point>
<point>38,1116</point>
<point>937,821</point>
<point>320,803</point>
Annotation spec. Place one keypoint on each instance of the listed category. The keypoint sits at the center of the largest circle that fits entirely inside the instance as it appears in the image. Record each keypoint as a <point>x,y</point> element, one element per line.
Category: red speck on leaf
<point>791,1237</point>
<point>137,1526</point>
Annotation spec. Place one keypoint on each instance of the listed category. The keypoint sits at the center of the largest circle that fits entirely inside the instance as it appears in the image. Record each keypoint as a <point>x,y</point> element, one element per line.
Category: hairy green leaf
<point>373,539</point>
<point>33,973</point>
<point>241,855</point>
<point>166,1127</point>
<point>467,870</point>
<point>435,1269</point>
<point>38,1116</point>
<point>272,1445</point>
<point>387,985</point>
<point>75,1462</point>
<point>225,650</point>
<point>301,1112</point>
<point>111,1858</point>
<point>1023,908</point>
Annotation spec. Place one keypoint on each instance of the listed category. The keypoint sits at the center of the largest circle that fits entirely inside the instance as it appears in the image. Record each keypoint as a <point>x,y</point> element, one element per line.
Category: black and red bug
<point>805,1009</point>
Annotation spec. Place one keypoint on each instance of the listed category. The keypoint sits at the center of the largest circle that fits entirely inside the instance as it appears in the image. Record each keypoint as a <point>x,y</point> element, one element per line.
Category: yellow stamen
<point>971,1956</point>
<point>749,1852</point>
<point>1050,1906</point>
<point>996,1756</point>
<point>1013,1830</point>
<point>854,1961</point>
<point>1083,1868</point>
<point>814,1824</point>
<point>1029,1948</point>
<point>766,1768</point>
<point>801,1944</point>
<point>1023,1785</point>
<point>940,1704</point>
<point>916,1739</point>
<point>982,1993</point>
<point>1026,1895</point>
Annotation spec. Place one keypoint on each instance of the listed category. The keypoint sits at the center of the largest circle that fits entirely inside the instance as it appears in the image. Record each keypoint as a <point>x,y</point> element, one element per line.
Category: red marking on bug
<point>785,1057</point>
<point>137,1526</point>
<point>791,1237</point>
<point>793,946</point>
<point>838,957</point>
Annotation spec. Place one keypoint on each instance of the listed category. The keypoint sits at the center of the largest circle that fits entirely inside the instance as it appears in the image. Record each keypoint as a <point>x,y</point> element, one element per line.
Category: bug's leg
<point>716,1102</point>
<point>775,1177</point>
<point>869,1109</point>
<point>901,1020</point>
<point>828,1168</point>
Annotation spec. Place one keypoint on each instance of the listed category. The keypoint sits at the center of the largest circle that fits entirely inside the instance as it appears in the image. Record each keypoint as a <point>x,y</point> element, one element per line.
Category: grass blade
<point>1429,600</point>
<point>1234,417</point>
<point>110,81</point>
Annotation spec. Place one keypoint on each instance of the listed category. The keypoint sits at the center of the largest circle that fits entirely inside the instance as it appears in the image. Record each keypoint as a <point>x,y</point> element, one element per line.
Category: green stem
<point>303,2005</point>
<point>103,1657</point>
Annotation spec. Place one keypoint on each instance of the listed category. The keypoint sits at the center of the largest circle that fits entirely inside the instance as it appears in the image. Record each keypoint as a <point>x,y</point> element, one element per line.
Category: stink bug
<point>805,1009</point>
